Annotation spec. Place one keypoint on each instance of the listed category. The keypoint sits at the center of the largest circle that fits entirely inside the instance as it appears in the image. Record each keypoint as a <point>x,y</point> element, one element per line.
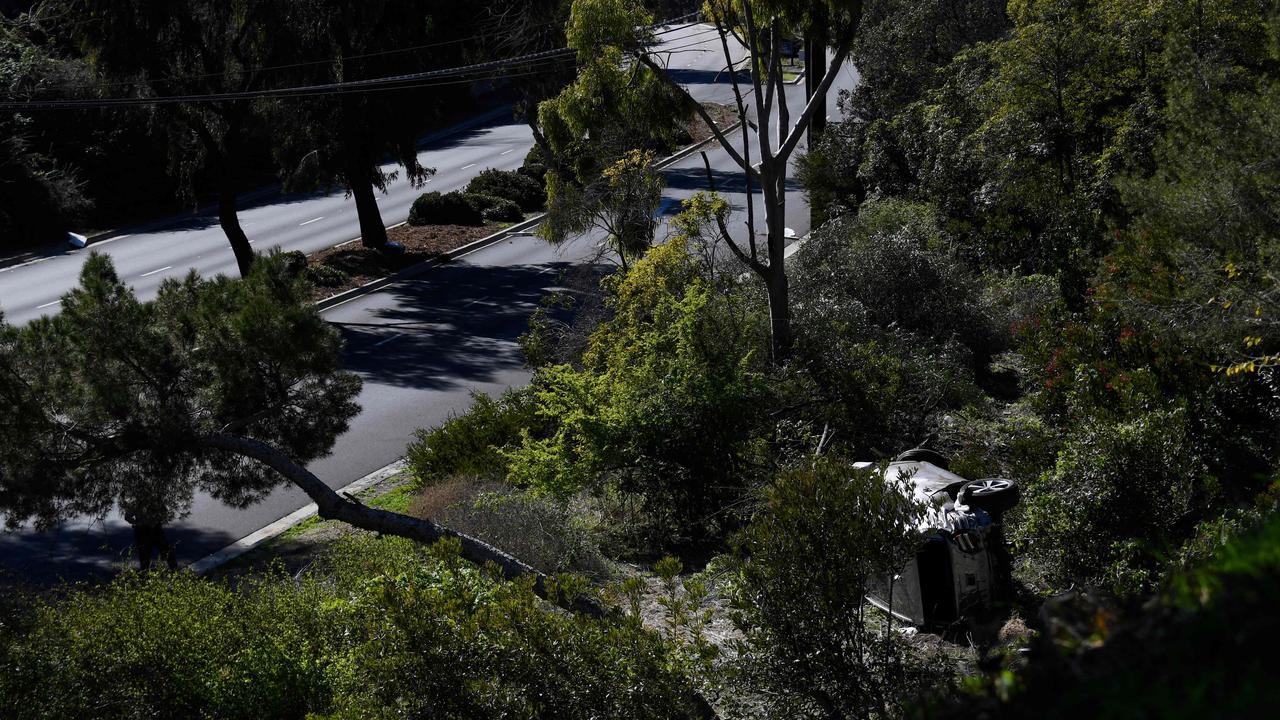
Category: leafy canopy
<point>110,400</point>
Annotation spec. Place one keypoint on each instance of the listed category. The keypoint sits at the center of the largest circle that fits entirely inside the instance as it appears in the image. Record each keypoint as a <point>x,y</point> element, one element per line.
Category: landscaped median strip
<point>519,228</point>
<point>247,543</point>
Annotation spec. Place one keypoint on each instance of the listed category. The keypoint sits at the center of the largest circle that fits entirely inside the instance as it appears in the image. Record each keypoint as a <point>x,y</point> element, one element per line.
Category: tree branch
<point>702,113</point>
<point>820,93</point>
<point>333,506</point>
<point>749,261</point>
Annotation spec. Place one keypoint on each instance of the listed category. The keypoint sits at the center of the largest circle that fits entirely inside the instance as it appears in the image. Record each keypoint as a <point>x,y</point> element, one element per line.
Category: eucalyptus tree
<point>189,48</point>
<point>224,386</point>
<point>596,129</point>
<point>612,30</point>
<point>346,137</point>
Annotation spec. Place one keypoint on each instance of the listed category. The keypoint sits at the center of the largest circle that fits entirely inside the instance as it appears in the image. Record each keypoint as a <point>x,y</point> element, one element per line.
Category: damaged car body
<point>962,568</point>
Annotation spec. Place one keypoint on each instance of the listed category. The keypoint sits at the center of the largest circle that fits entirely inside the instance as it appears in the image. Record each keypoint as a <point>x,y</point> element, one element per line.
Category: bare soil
<point>723,115</point>
<point>361,265</point>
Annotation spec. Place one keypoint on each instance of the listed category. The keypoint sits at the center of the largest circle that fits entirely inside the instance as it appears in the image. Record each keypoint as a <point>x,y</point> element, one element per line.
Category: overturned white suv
<point>962,568</point>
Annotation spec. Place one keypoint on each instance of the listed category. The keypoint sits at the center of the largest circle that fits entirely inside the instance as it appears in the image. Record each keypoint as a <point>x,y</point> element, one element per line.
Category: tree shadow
<point>89,553</point>
<point>456,325</point>
<point>696,76</point>
<point>728,182</point>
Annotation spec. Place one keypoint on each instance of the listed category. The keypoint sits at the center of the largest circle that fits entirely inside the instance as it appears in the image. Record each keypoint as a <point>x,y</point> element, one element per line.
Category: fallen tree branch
<point>333,506</point>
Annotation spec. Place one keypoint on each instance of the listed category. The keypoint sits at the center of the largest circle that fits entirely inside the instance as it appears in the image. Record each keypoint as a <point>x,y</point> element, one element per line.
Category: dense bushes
<point>669,401</point>
<point>1198,649</point>
<point>511,185</point>
<point>1055,221</point>
<point>385,630</point>
<point>809,647</point>
<point>471,444</point>
<point>462,208</point>
<point>1116,502</point>
<point>891,332</point>
<point>164,645</point>
<point>452,208</point>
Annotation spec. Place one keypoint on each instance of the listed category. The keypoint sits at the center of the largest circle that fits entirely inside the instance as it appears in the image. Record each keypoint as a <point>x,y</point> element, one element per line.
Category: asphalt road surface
<point>422,346</point>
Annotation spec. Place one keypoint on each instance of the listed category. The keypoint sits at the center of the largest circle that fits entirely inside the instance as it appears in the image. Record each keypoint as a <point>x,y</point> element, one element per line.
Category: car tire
<point>925,455</point>
<point>994,495</point>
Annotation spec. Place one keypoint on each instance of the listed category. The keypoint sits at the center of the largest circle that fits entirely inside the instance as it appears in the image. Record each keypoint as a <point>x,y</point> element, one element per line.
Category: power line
<point>404,81</point>
<point>348,58</point>
<point>393,81</point>
<point>288,66</point>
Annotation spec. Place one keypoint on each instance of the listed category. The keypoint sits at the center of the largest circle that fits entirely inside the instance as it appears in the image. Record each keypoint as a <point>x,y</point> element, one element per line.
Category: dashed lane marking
<point>380,343</point>
<point>153,272</point>
<point>311,221</point>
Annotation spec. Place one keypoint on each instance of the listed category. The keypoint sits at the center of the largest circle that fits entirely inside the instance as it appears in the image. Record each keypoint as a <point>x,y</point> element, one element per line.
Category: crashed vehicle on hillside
<point>963,566</point>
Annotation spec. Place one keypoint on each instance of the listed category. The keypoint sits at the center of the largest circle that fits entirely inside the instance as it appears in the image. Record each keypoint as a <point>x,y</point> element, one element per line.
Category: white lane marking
<point>545,270</point>
<point>380,343</point>
<point>311,221</point>
<point>508,152</point>
<point>110,240</point>
<point>25,264</point>
<point>41,307</point>
<point>153,272</point>
<point>464,167</point>
<point>473,302</point>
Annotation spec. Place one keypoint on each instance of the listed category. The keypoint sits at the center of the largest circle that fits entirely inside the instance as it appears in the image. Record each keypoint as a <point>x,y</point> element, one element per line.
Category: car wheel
<point>995,495</point>
<point>925,455</point>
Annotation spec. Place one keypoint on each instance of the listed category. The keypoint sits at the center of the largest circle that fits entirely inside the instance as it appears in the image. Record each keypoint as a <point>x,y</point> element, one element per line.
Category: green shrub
<point>1117,502</point>
<point>670,402</point>
<point>810,647</point>
<point>891,332</point>
<point>496,209</point>
<point>380,628</point>
<point>510,185</point>
<point>169,645</point>
<point>471,444</point>
<point>325,275</point>
<point>452,208</point>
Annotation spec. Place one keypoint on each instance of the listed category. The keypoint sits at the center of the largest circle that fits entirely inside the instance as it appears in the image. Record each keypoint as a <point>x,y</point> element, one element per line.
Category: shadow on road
<point>81,554</point>
<point>727,181</point>
<point>457,325</point>
<point>694,76</point>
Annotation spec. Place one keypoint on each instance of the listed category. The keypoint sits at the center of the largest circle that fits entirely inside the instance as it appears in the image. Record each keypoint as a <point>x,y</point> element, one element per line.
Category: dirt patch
<point>350,265</point>
<point>723,115</point>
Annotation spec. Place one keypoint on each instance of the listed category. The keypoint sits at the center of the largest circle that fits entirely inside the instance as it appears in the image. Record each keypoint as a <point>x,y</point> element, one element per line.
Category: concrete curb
<point>53,249</point>
<point>415,270</point>
<point>247,543</point>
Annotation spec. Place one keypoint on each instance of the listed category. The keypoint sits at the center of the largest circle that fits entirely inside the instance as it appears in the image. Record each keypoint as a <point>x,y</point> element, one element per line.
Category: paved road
<point>421,346</point>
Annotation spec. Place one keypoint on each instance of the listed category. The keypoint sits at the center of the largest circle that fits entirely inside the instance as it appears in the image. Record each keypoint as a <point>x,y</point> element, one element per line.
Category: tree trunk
<point>229,219</point>
<point>373,234</point>
<point>779,316</point>
<point>333,506</point>
<point>815,67</point>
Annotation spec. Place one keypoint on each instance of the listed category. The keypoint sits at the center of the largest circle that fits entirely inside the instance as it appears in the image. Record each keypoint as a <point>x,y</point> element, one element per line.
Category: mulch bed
<point>362,265</point>
<point>724,116</point>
